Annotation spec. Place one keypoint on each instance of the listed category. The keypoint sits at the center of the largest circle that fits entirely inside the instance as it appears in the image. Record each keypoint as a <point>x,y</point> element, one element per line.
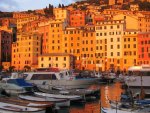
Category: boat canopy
<point>19,82</point>
<point>135,68</point>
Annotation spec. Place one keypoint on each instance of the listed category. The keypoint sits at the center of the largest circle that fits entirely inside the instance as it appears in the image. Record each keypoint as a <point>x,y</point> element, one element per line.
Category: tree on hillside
<point>59,6</point>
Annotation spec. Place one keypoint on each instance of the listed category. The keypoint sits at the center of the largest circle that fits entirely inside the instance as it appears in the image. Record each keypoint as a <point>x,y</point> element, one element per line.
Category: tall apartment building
<point>109,46</point>
<point>55,35</point>
<point>6,41</point>
<point>44,29</point>
<point>130,48</point>
<point>88,48</point>
<point>72,43</point>
<point>144,48</point>
<point>25,50</point>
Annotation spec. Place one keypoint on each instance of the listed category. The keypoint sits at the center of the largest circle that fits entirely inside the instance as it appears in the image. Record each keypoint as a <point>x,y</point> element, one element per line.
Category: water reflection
<point>111,92</point>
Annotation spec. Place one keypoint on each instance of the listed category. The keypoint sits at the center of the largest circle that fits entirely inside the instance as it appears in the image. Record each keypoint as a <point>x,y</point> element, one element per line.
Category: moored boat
<point>11,108</point>
<point>58,78</point>
<point>58,102</point>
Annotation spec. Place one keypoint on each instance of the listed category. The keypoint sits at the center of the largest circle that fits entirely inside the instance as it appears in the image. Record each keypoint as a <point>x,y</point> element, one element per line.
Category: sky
<point>22,5</point>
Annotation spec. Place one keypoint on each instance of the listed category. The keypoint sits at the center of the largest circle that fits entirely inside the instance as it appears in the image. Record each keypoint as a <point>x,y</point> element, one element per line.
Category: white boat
<point>58,102</point>
<point>139,76</point>
<point>11,108</point>
<point>57,78</point>
<point>59,96</point>
<point>15,86</point>
<point>110,110</point>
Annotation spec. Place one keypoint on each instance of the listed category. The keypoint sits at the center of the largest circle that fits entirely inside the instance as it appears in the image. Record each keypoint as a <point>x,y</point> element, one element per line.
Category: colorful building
<point>109,45</point>
<point>130,20</point>
<point>77,18</point>
<point>144,48</point>
<point>25,50</point>
<point>88,48</point>
<point>56,60</point>
<point>130,48</point>
<point>72,44</point>
<point>144,23</point>
<point>23,21</point>
<point>61,13</point>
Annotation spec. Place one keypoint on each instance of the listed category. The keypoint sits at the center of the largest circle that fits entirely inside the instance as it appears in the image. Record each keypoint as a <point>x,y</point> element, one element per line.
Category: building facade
<point>25,50</point>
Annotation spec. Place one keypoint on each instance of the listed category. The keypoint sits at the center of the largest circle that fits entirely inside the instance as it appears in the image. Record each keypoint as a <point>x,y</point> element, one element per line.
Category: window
<point>125,61</point>
<point>56,58</point>
<point>111,39</point>
<point>64,58</point>
<point>118,46</point>
<point>118,39</point>
<point>118,53</point>
<point>111,53</point>
<point>111,47</point>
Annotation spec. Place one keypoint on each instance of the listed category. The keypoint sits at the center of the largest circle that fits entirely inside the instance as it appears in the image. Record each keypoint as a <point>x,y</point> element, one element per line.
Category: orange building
<point>72,44</point>
<point>130,48</point>
<point>25,50</point>
<point>144,48</point>
<point>144,23</point>
<point>22,21</point>
<point>44,29</point>
<point>77,18</point>
<point>88,48</point>
<point>55,35</point>
<point>7,21</point>
<point>19,15</point>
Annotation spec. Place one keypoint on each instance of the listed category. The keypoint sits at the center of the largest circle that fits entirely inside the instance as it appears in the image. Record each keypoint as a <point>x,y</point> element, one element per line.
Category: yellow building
<point>61,13</point>
<point>25,50</point>
<point>58,60</point>
<point>131,20</point>
<point>109,44</point>
<point>130,48</point>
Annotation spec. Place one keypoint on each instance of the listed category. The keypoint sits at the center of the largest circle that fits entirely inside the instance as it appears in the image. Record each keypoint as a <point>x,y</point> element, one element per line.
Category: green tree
<point>27,68</point>
<point>11,68</point>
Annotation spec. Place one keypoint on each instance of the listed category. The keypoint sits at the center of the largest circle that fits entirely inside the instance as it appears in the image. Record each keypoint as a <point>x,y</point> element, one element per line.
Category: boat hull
<point>58,102</point>
<point>67,84</point>
<point>135,81</point>
<point>11,108</point>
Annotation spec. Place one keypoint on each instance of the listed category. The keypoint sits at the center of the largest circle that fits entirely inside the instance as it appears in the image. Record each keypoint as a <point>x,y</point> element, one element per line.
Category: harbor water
<point>108,92</point>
